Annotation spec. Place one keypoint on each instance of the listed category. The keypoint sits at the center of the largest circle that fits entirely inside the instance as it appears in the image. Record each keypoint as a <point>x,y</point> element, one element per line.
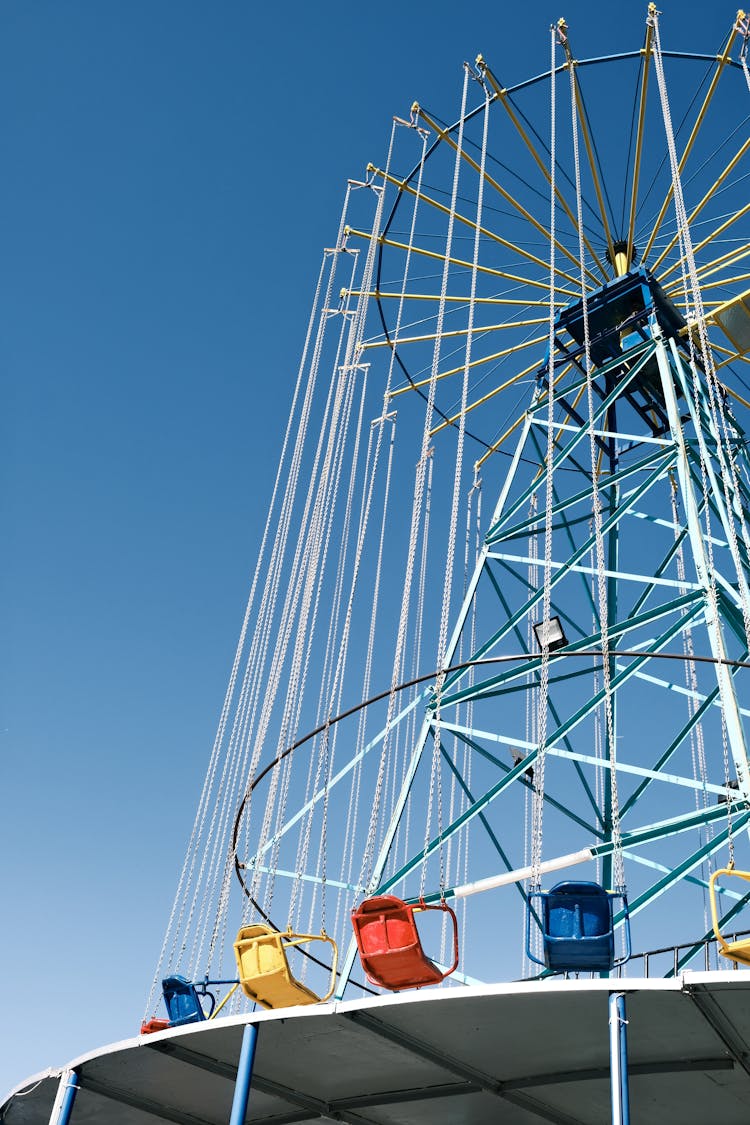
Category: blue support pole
<point>618,1059</point>
<point>624,1080</point>
<point>244,1075</point>
<point>66,1096</point>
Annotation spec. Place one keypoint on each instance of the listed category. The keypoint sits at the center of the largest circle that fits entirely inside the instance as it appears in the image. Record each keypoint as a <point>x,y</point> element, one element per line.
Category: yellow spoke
<point>445,136</point>
<point>719,230</point>
<point>639,144</point>
<point>485,398</point>
<point>711,268</point>
<point>721,63</point>
<point>494,448</point>
<point>507,106</point>
<point>474,363</point>
<point>734,359</point>
<point>478,329</point>
<point>589,150</point>
<point>714,346</point>
<point>729,281</point>
<point>436,297</point>
<point>403,186</point>
<point>436,255</point>
<point>712,306</point>
<point>732,164</point>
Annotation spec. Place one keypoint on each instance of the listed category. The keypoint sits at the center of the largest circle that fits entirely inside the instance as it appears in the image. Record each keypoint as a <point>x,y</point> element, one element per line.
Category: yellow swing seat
<point>738,950</point>
<point>263,968</point>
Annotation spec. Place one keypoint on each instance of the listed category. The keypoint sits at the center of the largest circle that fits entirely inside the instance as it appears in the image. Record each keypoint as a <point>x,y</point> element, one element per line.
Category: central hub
<point>620,307</point>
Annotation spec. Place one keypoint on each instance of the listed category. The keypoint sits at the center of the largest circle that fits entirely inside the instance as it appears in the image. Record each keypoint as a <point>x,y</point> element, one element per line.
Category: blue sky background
<point>170,174</point>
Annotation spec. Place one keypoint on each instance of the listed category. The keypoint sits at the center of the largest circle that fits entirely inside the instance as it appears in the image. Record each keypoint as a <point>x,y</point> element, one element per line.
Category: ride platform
<point>518,1053</point>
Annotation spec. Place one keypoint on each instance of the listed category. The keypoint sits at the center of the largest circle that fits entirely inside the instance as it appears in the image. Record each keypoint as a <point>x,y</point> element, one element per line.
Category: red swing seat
<point>389,945</point>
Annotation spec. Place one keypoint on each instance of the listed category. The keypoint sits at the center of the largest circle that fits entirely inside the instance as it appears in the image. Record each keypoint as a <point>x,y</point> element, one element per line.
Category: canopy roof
<point>528,1052</point>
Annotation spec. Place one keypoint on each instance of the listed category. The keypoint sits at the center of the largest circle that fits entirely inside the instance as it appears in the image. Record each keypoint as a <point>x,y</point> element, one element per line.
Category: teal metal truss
<point>675,595</point>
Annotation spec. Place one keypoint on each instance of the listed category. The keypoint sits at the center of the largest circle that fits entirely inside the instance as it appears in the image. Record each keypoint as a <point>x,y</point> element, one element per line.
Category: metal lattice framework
<point>654,431</point>
<point>497,292</point>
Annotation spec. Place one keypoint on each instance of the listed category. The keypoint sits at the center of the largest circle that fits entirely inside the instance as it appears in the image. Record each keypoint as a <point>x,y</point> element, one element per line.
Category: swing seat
<point>181,999</point>
<point>389,945</point>
<point>263,968</point>
<point>577,920</point>
<point>738,950</point>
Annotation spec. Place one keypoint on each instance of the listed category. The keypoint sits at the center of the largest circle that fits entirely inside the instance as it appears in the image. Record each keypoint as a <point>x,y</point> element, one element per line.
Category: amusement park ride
<point>533,307</point>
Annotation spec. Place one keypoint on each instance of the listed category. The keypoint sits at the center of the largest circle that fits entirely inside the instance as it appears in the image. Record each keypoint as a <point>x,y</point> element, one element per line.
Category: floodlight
<point>550,634</point>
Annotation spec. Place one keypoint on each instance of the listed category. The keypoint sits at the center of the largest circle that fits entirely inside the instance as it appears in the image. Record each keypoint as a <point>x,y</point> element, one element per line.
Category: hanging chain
<point>368,852</point>
<point>457,474</point>
<point>698,751</point>
<point>599,753</point>
<point>324,826</point>
<point>697,745</point>
<point>537,817</point>
<point>618,866</point>
<point>693,295</point>
<point>419,485</point>
<point>689,271</point>
<point>530,726</point>
<point>742,26</point>
<point>436,771</point>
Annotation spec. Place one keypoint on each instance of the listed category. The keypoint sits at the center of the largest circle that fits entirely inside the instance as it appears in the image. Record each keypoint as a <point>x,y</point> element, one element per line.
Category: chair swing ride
<point>528,305</point>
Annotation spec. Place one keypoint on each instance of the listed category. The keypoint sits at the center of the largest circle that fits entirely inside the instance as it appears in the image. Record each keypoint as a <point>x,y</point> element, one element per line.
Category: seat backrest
<point>264,970</point>
<point>259,950</point>
<point>181,999</point>
<point>577,910</point>
<point>385,923</point>
<point>390,947</point>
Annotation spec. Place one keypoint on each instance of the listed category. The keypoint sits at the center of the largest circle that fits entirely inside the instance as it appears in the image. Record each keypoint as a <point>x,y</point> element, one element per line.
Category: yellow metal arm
<point>492,235</point>
<point>639,144</point>
<point>435,255</point>
<point>445,136</point>
<point>508,107</point>
<point>738,951</point>
<point>587,143</point>
<point>721,61</point>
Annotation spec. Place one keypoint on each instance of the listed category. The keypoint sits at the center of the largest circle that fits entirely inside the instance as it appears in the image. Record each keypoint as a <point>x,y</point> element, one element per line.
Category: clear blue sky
<point>170,174</point>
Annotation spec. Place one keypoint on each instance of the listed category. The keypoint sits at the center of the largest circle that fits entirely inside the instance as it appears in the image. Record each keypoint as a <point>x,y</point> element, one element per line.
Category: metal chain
<point>697,746</point>
<point>698,752</point>
<point>361,726</point>
<point>530,725</point>
<point>418,491</point>
<point>324,827</point>
<point>436,771</point>
<point>350,832</point>
<point>688,269</point>
<point>598,740</point>
<point>537,818</point>
<point>618,865</point>
<point>742,26</point>
<point>727,465</point>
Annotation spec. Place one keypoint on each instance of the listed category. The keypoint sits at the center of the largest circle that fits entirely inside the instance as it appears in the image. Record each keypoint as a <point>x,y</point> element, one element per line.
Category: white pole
<point>520,874</point>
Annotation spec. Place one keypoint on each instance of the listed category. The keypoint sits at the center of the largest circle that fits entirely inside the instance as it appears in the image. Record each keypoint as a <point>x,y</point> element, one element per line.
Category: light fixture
<point>550,634</point>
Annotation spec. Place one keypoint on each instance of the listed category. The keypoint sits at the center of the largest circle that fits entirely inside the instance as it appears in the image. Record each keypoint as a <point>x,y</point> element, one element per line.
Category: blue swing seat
<point>181,999</point>
<point>577,920</point>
